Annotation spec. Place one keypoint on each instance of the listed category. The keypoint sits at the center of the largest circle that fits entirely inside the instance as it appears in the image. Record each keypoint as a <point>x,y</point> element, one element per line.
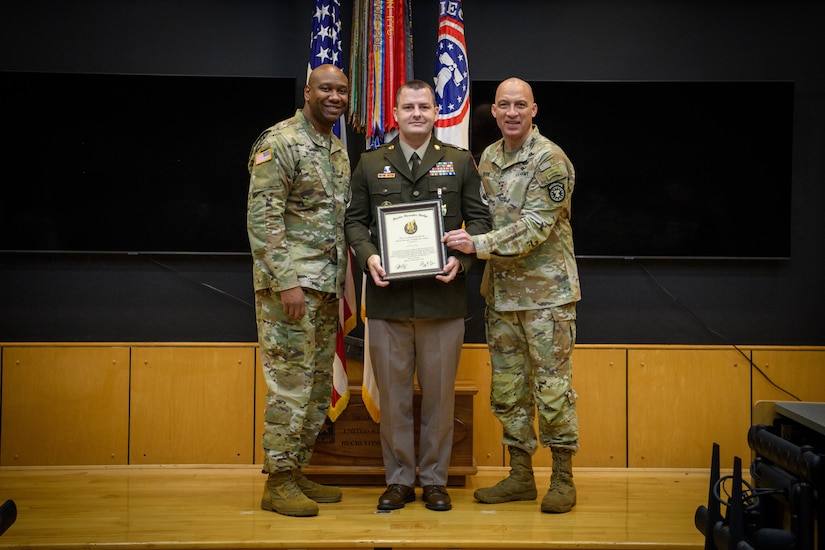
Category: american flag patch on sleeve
<point>263,156</point>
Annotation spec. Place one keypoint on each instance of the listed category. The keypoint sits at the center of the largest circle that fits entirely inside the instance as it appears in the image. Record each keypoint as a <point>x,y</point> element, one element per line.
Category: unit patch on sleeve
<point>557,192</point>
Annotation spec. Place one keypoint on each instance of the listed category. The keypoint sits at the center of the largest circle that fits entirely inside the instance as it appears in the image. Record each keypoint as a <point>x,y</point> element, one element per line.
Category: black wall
<point>102,297</point>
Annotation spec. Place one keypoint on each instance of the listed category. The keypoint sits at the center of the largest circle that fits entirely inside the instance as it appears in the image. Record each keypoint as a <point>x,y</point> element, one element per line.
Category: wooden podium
<point>348,451</point>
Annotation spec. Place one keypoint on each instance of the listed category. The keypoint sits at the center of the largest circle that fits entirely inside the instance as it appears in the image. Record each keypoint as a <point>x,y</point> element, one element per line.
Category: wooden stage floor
<point>185,507</point>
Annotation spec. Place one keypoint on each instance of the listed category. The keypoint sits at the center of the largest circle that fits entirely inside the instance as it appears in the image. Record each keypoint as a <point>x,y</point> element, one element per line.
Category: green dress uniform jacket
<point>382,177</point>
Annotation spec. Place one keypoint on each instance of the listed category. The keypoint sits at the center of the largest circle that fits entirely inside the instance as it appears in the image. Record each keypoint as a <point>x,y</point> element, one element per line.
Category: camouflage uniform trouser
<point>532,370</point>
<point>297,358</point>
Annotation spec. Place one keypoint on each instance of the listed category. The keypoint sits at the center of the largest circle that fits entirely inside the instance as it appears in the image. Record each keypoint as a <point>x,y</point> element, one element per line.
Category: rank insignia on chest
<point>387,173</point>
<point>443,168</point>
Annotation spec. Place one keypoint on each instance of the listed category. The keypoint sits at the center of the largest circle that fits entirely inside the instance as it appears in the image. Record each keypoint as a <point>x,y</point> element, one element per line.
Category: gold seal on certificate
<point>409,238</point>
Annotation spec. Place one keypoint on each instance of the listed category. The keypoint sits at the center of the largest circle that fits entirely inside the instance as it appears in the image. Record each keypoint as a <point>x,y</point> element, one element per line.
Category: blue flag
<point>325,43</point>
<point>452,77</point>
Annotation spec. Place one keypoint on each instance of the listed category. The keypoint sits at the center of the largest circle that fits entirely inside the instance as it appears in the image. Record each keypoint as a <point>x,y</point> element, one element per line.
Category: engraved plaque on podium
<point>348,451</point>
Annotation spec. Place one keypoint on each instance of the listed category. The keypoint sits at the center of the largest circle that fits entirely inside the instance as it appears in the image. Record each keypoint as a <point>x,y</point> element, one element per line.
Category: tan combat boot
<point>561,496</point>
<point>316,491</point>
<point>519,485</point>
<point>282,495</point>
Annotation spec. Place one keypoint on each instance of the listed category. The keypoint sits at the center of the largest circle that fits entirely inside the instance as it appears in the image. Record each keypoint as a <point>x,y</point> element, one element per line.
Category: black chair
<point>8,515</point>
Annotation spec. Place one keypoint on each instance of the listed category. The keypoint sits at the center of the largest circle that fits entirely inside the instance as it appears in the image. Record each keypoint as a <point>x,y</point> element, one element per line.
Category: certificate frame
<point>409,239</point>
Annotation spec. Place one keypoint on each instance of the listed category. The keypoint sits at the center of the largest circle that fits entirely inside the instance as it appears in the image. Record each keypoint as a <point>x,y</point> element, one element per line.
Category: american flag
<point>325,44</point>
<point>452,77</point>
<point>325,48</point>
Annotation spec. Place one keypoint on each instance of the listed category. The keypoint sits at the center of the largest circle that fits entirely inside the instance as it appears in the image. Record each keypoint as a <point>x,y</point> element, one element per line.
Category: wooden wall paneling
<point>801,372</point>
<point>355,371</point>
<point>475,367</point>
<point>260,408</point>
<point>204,403</point>
<point>65,406</point>
<point>192,405</point>
<point>681,401</point>
<point>600,379</point>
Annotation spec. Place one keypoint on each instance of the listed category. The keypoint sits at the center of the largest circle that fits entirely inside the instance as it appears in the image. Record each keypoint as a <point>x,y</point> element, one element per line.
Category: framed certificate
<point>409,239</point>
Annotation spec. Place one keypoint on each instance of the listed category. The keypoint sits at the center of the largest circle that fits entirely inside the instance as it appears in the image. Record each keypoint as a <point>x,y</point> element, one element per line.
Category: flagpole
<point>325,48</point>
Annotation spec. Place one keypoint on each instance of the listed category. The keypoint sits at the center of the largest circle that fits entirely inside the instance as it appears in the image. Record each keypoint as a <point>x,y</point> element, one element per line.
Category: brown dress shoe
<point>395,497</point>
<point>436,498</point>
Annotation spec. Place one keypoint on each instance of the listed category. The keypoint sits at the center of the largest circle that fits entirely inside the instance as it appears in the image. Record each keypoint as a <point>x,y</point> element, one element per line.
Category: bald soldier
<point>298,190</point>
<point>531,286</point>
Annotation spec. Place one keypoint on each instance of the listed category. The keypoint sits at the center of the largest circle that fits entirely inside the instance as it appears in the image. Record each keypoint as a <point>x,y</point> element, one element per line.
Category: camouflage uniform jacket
<point>298,190</point>
<point>530,258</point>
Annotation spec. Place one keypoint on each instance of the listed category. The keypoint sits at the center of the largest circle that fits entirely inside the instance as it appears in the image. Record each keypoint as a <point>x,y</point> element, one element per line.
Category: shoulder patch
<point>263,156</point>
<point>557,192</point>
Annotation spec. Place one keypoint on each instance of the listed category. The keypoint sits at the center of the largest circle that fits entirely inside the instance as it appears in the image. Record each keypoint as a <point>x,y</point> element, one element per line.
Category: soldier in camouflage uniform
<point>298,189</point>
<point>531,286</point>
